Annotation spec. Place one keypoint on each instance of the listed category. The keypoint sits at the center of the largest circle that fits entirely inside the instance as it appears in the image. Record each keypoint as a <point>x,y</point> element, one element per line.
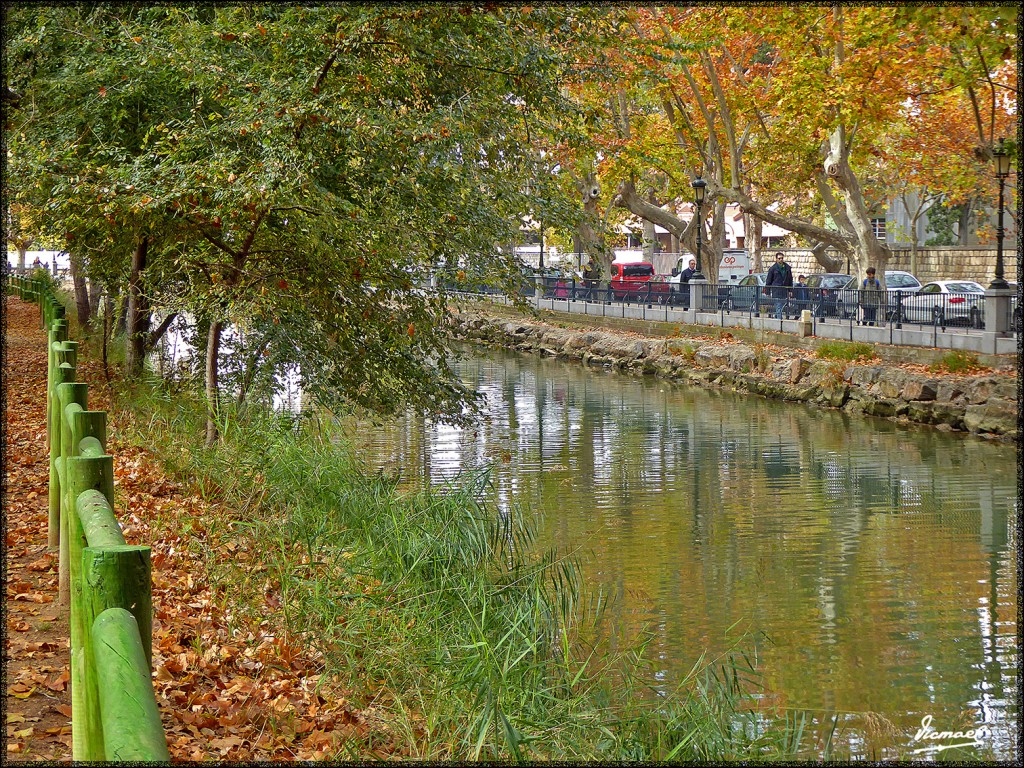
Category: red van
<point>637,282</point>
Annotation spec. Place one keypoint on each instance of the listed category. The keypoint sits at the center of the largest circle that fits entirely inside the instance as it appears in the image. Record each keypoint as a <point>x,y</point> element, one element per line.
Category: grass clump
<point>847,351</point>
<point>958,361</point>
<point>437,611</point>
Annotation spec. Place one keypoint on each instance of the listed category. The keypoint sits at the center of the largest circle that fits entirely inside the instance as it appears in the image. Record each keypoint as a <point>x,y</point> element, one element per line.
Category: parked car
<point>898,285</point>
<point>637,282</point>
<point>826,290</point>
<point>747,295</point>
<point>947,302</point>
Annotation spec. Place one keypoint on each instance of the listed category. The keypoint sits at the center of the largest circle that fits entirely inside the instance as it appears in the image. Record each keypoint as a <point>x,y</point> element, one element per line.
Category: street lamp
<point>1002,171</point>
<point>699,190</point>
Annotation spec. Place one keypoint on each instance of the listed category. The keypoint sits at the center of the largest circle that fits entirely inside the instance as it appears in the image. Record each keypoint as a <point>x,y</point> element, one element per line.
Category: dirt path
<point>225,692</point>
<point>37,701</point>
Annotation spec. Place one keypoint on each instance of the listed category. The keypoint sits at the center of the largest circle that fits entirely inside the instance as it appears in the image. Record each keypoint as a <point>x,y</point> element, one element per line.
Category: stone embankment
<point>985,404</point>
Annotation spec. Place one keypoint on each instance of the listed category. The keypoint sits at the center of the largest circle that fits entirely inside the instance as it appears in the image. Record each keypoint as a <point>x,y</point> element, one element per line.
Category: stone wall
<point>946,263</point>
<point>981,404</point>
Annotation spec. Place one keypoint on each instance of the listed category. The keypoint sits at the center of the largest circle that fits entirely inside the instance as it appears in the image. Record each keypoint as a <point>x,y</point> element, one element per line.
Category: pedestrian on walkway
<point>801,295</point>
<point>779,282</point>
<point>870,297</point>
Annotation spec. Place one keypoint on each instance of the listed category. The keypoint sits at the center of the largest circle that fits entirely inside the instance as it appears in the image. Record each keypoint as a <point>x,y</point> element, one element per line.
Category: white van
<point>734,266</point>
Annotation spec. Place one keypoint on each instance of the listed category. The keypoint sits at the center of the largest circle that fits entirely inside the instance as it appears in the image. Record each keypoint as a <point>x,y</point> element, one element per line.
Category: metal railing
<point>956,320</point>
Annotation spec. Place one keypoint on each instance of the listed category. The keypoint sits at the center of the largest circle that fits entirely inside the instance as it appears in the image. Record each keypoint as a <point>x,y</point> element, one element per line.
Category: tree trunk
<point>753,242</point>
<point>648,240</point>
<point>108,326</point>
<point>867,250</point>
<point>585,240</point>
<point>82,306</point>
<point>22,250</point>
<point>964,226</point>
<point>95,294</point>
<point>212,384</point>
<point>138,312</point>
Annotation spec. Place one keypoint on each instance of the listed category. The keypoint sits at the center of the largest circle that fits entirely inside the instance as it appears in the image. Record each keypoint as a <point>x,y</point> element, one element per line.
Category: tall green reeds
<point>436,610</point>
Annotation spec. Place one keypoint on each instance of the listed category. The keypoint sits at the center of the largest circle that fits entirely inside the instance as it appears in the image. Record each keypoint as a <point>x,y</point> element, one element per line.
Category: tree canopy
<point>809,117</point>
<point>292,172</point>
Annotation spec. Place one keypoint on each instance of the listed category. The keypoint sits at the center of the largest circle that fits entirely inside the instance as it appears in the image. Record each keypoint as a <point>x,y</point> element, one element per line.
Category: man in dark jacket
<point>684,278</point>
<point>779,282</point>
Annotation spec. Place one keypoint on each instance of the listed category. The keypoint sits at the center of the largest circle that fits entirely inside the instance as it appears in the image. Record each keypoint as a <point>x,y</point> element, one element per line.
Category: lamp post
<point>699,190</point>
<point>1002,171</point>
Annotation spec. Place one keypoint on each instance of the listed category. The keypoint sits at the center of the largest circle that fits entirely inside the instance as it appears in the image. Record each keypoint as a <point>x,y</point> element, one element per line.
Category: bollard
<point>806,323</point>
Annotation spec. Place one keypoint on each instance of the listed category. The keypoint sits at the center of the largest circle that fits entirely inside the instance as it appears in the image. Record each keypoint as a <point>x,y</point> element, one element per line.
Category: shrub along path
<point>234,692</point>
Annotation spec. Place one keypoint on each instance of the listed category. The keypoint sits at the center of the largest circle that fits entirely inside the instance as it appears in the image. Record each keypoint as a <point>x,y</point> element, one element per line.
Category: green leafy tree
<point>298,167</point>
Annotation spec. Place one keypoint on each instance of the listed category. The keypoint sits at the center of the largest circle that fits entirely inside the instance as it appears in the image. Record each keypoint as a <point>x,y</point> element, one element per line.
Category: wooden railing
<point>105,581</point>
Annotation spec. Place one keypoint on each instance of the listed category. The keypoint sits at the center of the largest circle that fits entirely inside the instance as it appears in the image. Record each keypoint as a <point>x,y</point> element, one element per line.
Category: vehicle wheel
<point>938,316</point>
<point>894,316</point>
<point>977,321</point>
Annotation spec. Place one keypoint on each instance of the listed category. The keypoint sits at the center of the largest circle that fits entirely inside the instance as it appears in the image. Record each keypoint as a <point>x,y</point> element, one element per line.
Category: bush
<point>958,361</point>
<point>838,350</point>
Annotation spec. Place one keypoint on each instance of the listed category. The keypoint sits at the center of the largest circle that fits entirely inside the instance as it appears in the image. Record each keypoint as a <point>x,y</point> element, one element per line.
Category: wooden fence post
<point>118,576</point>
<point>71,400</point>
<point>84,474</point>
<point>58,333</point>
<point>62,374</point>
<point>89,424</point>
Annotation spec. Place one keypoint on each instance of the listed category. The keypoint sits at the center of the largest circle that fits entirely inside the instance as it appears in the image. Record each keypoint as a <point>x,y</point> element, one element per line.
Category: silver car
<point>946,302</point>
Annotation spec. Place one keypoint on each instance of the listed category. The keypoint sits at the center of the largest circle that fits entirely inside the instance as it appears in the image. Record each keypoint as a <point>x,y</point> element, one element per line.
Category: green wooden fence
<point>105,581</point>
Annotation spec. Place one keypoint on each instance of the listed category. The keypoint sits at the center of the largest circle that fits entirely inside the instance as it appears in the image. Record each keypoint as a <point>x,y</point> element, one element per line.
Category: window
<point>637,270</point>
<point>878,229</point>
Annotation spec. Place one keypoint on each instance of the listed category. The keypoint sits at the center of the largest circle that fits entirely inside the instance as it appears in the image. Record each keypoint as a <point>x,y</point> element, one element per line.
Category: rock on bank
<point>983,404</point>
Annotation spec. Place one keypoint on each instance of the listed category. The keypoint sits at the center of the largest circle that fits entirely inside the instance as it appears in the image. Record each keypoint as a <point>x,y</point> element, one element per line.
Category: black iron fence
<point>963,311</point>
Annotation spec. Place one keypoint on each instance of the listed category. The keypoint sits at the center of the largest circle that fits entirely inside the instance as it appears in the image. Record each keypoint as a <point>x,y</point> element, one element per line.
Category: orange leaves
<point>229,686</point>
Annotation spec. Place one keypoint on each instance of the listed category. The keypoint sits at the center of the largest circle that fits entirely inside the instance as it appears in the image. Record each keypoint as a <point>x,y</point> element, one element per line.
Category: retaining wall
<point>984,405</point>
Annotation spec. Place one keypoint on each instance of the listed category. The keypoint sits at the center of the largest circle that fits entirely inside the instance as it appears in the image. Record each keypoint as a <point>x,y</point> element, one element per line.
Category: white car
<point>946,302</point>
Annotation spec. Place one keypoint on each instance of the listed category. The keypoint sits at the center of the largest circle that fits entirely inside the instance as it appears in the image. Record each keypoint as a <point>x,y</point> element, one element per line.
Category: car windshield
<point>964,288</point>
<point>828,281</point>
<point>637,270</point>
<point>900,281</point>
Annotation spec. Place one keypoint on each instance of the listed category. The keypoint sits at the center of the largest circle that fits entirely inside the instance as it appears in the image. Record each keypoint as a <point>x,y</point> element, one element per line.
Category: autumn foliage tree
<point>800,113</point>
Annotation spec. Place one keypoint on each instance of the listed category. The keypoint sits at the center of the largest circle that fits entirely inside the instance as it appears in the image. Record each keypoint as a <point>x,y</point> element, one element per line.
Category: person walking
<point>801,295</point>
<point>870,297</point>
<point>591,277</point>
<point>779,282</point>
<point>684,279</point>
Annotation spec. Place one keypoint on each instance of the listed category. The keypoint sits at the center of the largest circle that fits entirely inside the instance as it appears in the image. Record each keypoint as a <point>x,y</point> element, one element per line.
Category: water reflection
<point>870,563</point>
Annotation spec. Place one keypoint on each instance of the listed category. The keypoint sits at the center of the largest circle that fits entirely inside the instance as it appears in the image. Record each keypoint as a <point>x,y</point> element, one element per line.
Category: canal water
<point>868,567</point>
